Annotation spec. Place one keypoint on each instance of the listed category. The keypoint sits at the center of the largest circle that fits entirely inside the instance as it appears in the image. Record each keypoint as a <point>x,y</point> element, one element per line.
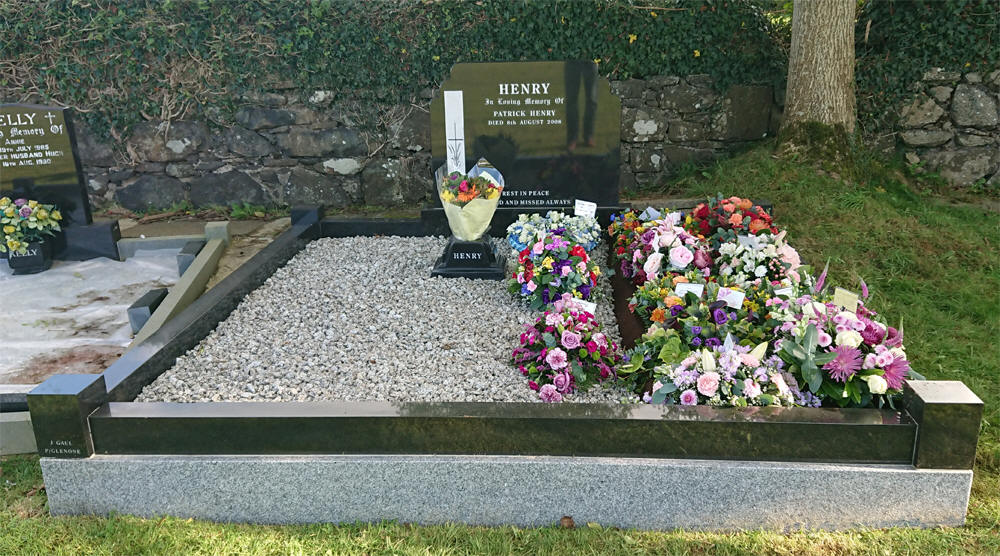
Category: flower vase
<point>36,258</point>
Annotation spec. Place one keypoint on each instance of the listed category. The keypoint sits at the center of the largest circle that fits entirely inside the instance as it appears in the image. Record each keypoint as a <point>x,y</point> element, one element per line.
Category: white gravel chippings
<point>360,318</point>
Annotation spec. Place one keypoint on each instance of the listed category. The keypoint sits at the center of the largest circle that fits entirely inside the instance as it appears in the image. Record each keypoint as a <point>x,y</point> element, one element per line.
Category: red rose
<point>704,226</point>
<point>620,251</point>
<point>523,255</point>
<point>577,251</point>
<point>593,279</point>
<point>701,211</point>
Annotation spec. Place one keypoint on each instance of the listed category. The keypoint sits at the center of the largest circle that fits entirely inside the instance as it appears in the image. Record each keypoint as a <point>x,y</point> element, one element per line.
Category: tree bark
<point>821,64</point>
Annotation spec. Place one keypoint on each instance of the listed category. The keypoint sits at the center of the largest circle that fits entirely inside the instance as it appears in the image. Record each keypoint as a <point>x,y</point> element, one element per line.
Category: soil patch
<point>77,360</point>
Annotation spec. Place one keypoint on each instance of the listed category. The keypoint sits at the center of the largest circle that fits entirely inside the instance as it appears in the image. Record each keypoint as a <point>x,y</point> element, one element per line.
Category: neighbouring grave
<point>551,128</point>
<point>39,160</point>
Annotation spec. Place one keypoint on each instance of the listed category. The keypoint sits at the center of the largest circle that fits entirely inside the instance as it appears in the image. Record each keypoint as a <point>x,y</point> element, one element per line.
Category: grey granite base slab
<point>510,490</point>
<point>16,434</point>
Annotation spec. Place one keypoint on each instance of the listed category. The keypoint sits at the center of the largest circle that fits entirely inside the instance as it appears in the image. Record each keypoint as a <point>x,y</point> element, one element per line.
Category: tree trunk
<point>821,65</point>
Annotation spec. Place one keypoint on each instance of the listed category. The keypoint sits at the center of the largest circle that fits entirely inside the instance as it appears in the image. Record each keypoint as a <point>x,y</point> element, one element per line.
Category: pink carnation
<point>556,358</point>
<point>708,384</point>
<point>688,397</point>
<point>549,394</point>
<point>750,388</point>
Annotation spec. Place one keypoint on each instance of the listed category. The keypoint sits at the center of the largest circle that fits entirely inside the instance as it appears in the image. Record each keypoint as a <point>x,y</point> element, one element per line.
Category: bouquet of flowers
<point>722,219</point>
<point>565,351</point>
<point>528,229</point>
<point>727,376</point>
<point>23,221</point>
<point>656,301</point>
<point>469,201</point>
<point>551,267</point>
<point>851,358</point>
<point>759,260</point>
<point>624,231</point>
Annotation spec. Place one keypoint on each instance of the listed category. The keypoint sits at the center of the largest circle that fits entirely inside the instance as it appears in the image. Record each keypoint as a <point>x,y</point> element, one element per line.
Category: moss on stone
<point>815,141</point>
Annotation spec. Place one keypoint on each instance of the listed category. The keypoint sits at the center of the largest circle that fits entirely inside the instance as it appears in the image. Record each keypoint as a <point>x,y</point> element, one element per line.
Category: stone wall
<point>952,126</point>
<point>292,147</point>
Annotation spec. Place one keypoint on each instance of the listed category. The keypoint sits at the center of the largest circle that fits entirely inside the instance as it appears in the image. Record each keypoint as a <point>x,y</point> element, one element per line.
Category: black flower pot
<point>37,258</point>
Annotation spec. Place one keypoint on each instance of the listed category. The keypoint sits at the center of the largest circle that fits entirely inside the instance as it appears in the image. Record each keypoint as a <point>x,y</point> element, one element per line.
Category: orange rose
<point>735,220</point>
<point>672,300</point>
<point>658,315</point>
<point>680,280</point>
<point>745,204</point>
<point>734,199</point>
<point>728,207</point>
<point>757,225</point>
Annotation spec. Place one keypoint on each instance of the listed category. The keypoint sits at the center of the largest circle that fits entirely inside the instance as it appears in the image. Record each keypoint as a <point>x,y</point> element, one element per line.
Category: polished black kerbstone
<point>948,417</point>
<point>38,160</point>
<point>59,409</point>
<point>762,434</point>
<point>470,259</point>
<point>551,128</point>
<point>144,307</point>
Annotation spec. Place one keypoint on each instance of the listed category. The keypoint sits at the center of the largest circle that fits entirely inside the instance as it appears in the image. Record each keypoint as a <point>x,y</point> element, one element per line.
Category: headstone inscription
<point>551,128</point>
<point>39,160</point>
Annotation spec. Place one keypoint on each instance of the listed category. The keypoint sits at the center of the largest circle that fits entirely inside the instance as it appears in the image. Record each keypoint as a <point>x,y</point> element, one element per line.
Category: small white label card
<point>732,298</point>
<point>454,130</point>
<point>585,208</point>
<point>649,214</point>
<point>846,299</point>
<point>587,306</point>
<point>684,288</point>
<point>785,291</point>
<point>753,242</point>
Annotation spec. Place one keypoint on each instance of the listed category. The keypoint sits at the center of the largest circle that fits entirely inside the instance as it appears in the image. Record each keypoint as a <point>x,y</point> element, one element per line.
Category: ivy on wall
<point>121,62</point>
<point>896,41</point>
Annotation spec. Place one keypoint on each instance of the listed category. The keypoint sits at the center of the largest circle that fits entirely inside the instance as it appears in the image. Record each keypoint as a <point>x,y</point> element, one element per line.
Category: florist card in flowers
<point>685,288</point>
<point>733,298</point>
<point>846,299</point>
<point>585,208</point>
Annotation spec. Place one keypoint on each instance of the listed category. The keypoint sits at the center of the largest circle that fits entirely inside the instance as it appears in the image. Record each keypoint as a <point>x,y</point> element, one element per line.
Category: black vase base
<point>470,259</point>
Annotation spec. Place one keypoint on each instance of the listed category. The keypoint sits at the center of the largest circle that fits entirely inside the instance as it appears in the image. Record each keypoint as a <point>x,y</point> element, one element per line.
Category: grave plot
<point>488,463</point>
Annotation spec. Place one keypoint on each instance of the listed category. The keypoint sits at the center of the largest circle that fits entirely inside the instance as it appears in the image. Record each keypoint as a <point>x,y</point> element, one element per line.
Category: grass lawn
<point>930,258</point>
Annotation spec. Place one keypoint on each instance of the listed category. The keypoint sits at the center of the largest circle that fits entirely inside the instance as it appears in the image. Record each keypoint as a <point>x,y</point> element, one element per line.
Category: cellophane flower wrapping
<point>470,200</point>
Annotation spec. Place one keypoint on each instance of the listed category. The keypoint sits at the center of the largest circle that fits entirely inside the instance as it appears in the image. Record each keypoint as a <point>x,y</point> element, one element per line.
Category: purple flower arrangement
<point>565,351</point>
<point>732,376</point>
<point>550,267</point>
<point>849,357</point>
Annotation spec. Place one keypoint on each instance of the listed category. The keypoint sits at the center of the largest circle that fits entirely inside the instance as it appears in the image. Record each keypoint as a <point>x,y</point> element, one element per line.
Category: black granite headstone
<point>551,128</point>
<point>39,160</point>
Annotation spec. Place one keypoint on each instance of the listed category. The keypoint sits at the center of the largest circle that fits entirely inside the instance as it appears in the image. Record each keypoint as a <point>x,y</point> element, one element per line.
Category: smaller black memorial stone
<point>470,259</point>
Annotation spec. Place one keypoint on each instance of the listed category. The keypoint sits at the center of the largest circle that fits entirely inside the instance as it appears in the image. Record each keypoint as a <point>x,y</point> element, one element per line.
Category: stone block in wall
<point>167,142</point>
<point>305,187</point>
<point>647,158</point>
<point>629,88</point>
<point>389,182</point>
<point>341,166</point>
<point>242,141</point>
<point>680,131</point>
<point>974,106</point>
<point>660,81</point>
<point>151,192</point>
<point>941,93</point>
<point>925,137</point>
<point>964,166</point>
<point>226,189</point>
<point>922,111</point>
<point>263,98</point>
<point>255,118</point>
<point>939,74</point>
<point>678,155</point>
<point>180,170</point>
<point>974,138</point>
<point>746,113</point>
<point>642,125</point>
<point>412,133</point>
<point>339,141</point>
<point>686,99</point>
<point>92,151</point>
